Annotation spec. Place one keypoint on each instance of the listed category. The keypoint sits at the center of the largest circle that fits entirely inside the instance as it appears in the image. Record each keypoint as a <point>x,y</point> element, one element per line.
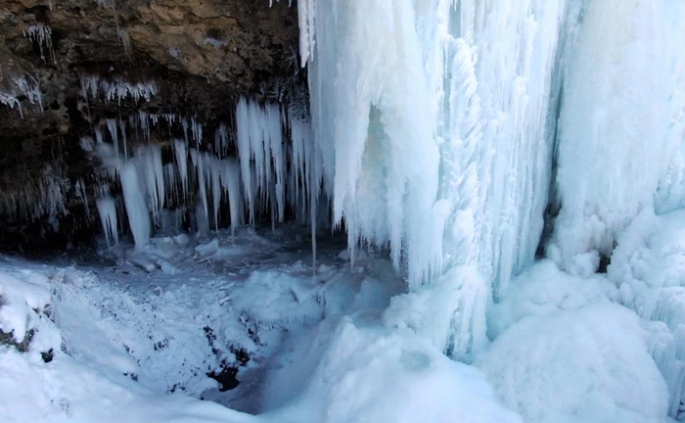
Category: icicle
<point>112,126</point>
<point>230,181</point>
<point>80,189</point>
<point>119,89</point>
<point>245,153</point>
<point>196,130</point>
<point>181,154</point>
<point>12,101</point>
<point>136,209</point>
<point>306,11</point>
<point>30,90</point>
<point>122,129</point>
<point>99,137</point>
<point>125,42</point>
<point>198,161</point>
<point>108,218</point>
<point>221,139</point>
<point>149,162</point>
<point>41,34</point>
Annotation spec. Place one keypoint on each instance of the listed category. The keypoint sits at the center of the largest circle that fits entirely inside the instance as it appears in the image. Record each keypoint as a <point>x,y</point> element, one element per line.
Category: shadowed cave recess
<point>95,91</point>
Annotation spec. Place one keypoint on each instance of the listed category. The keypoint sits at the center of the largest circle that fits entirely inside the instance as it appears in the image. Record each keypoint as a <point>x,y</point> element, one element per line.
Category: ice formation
<point>108,216</point>
<point>41,34</point>
<point>21,86</point>
<point>437,129</point>
<point>621,125</point>
<point>41,196</point>
<point>458,175</point>
<point>275,169</point>
<point>93,86</point>
<point>467,160</point>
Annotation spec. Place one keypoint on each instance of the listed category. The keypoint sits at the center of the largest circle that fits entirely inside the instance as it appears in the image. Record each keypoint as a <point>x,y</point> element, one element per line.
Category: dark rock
<point>7,338</point>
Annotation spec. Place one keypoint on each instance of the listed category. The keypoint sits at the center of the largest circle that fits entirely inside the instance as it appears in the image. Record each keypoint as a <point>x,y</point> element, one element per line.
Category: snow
<point>129,345</point>
<point>589,365</point>
<point>361,373</point>
<point>565,351</point>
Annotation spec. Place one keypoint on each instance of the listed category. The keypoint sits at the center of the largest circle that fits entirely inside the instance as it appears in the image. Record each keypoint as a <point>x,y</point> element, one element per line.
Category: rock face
<point>68,67</point>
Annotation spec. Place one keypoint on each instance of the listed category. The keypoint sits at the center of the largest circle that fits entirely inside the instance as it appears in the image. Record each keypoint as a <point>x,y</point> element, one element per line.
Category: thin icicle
<point>108,217</point>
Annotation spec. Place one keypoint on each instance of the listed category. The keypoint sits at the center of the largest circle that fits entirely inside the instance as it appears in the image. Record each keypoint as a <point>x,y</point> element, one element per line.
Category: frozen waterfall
<point>454,121</point>
<point>439,143</point>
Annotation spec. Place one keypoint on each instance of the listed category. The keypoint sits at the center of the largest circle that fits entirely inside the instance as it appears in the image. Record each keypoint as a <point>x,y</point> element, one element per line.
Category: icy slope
<point>135,342</point>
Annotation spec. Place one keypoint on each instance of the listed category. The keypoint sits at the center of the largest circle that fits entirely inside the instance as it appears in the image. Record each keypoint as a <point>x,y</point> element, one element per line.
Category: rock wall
<point>190,58</point>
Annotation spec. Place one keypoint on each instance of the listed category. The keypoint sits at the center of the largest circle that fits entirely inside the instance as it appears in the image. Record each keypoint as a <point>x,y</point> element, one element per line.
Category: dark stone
<point>226,376</point>
<point>47,356</point>
<point>7,338</point>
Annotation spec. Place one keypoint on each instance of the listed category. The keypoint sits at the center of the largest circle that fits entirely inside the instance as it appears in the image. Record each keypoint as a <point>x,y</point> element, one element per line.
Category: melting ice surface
<point>441,131</point>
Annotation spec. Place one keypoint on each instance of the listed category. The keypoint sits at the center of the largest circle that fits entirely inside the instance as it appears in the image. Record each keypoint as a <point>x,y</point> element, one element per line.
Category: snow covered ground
<point>132,336</point>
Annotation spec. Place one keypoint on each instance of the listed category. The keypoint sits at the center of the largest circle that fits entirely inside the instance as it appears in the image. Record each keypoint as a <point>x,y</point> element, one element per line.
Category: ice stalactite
<point>41,196</point>
<point>41,34</point>
<point>22,86</point>
<point>432,122</point>
<point>95,87</point>
<point>260,148</point>
<point>181,156</point>
<point>134,199</point>
<point>274,146</point>
<point>621,126</point>
<point>108,217</point>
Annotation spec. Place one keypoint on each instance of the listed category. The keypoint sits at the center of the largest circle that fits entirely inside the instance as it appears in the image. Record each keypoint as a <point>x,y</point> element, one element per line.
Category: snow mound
<point>361,372</point>
<point>543,290</point>
<point>590,365</point>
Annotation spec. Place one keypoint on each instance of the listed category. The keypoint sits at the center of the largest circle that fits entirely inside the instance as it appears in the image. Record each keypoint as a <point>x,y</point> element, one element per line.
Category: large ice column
<point>373,85</point>
<point>432,118</point>
<point>501,82</point>
<point>621,126</point>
